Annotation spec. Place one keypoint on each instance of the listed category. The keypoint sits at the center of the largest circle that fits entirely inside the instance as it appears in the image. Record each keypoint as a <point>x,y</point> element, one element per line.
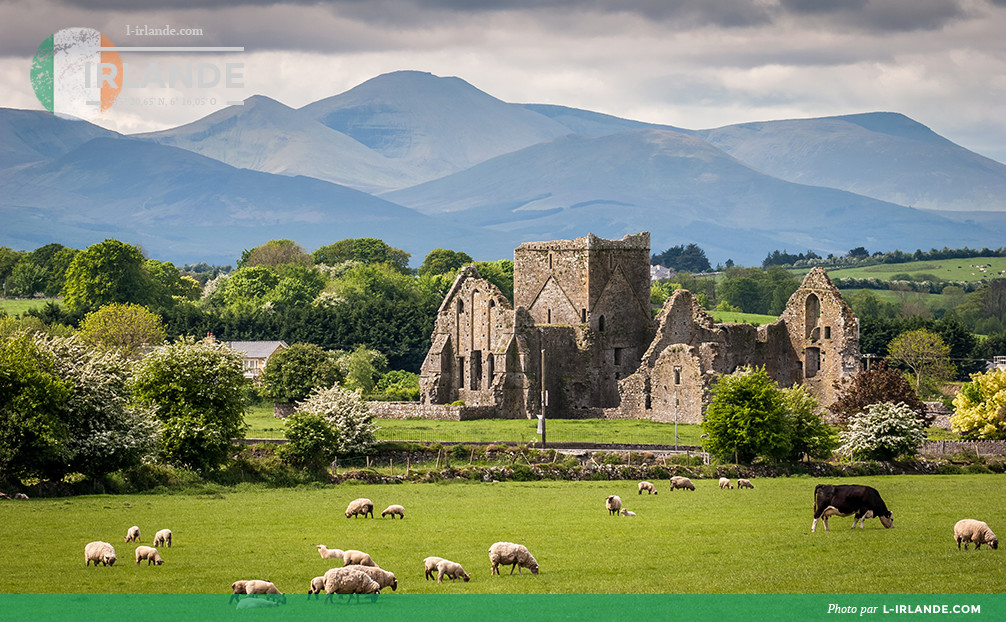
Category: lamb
<point>648,487</point>
<point>383,577</point>
<point>394,510</point>
<point>132,534</point>
<point>351,557</point>
<point>148,553</point>
<point>327,553</point>
<point>744,483</point>
<point>237,591</point>
<point>431,565</point>
<point>725,483</point>
<point>99,551</point>
<point>360,506</point>
<point>21,496</point>
<point>258,586</point>
<point>614,504</point>
<point>317,585</point>
<point>452,570</point>
<point>678,481</point>
<point>162,538</point>
<point>627,512</point>
<point>349,581</point>
<point>508,553</point>
<point>970,530</point>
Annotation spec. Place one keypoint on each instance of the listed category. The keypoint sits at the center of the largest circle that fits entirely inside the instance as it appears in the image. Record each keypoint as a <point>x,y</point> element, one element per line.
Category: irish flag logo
<point>77,72</point>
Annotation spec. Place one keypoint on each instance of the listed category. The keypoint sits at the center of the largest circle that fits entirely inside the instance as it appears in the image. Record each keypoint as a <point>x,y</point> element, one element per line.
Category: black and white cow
<point>844,500</point>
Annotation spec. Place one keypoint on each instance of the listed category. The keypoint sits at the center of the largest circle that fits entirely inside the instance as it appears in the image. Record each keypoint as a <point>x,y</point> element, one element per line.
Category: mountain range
<point>423,162</point>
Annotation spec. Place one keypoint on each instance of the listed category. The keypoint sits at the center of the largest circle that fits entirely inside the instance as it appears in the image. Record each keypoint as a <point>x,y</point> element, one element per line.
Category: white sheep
<point>327,553</point>
<point>349,581</point>
<point>132,534</point>
<point>360,506</point>
<point>383,577</point>
<point>317,586</point>
<point>162,538</point>
<point>725,483</point>
<point>678,481</point>
<point>351,557</point>
<point>515,555</point>
<point>237,590</point>
<point>744,483</point>
<point>451,570</point>
<point>259,586</point>
<point>970,530</point>
<point>394,510</point>
<point>431,565</point>
<point>614,504</point>
<point>21,496</point>
<point>648,487</point>
<point>627,512</point>
<point>148,553</point>
<point>99,552</point>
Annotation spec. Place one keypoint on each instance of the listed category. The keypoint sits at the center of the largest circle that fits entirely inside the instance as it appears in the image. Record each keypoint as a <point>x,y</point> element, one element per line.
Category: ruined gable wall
<point>550,280</point>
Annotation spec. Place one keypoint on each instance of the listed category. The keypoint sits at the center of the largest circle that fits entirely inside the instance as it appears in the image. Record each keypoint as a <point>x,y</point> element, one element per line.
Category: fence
<point>979,448</point>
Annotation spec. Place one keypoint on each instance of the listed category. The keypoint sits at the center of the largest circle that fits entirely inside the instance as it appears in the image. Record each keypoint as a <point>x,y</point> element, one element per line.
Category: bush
<point>348,414</point>
<point>313,441</point>
<point>883,432</point>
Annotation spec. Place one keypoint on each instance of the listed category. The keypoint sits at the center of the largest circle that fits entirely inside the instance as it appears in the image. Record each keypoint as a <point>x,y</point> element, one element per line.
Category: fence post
<point>391,463</point>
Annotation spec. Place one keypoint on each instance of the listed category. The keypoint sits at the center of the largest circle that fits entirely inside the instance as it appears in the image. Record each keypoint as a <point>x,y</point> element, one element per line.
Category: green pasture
<point>702,542</point>
<point>17,306</point>
<point>732,317</point>
<point>943,269</point>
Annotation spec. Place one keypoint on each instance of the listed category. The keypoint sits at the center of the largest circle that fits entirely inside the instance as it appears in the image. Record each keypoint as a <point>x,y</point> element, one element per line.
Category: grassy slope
<point>707,541</point>
<point>17,306</point>
<point>729,317</point>
<point>944,269</point>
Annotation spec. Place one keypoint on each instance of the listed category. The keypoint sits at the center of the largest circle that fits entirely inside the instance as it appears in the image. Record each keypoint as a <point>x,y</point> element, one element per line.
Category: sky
<point>689,63</point>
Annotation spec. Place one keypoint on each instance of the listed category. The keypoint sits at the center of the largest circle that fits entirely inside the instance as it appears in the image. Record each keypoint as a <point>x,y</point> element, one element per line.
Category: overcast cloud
<point>689,63</point>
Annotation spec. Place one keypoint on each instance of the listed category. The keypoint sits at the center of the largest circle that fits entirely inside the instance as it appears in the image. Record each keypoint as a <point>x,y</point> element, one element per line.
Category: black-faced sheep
<point>99,552</point>
<point>351,557</point>
<point>744,483</point>
<point>970,530</point>
<point>162,538</point>
<point>514,555</point>
<point>327,553</point>
<point>614,504</point>
<point>360,506</point>
<point>148,553</point>
<point>678,481</point>
<point>431,565</point>
<point>648,487</point>
<point>393,511</point>
<point>316,588</point>
<point>132,534</point>
<point>383,577</point>
<point>725,483</point>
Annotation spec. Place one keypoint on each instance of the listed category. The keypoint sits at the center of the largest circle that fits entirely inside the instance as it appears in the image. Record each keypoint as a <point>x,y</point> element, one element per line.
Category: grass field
<point>730,317</point>
<point>707,541</point>
<point>944,269</point>
<point>16,306</point>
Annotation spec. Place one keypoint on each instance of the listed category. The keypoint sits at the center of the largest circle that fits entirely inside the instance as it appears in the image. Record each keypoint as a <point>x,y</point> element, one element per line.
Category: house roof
<point>256,349</point>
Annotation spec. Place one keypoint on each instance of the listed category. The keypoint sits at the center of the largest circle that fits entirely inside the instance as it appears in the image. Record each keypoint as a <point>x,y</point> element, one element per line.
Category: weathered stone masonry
<point>584,303</point>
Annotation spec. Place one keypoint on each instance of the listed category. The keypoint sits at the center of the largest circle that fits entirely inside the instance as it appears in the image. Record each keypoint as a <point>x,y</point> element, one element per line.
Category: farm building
<point>256,354</point>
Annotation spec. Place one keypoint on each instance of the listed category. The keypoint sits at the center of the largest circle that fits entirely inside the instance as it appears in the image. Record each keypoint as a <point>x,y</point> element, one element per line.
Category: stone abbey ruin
<point>581,324</point>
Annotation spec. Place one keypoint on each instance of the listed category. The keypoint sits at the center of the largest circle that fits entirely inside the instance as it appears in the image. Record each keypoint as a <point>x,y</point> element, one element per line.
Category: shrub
<point>883,432</point>
<point>348,414</point>
<point>313,440</point>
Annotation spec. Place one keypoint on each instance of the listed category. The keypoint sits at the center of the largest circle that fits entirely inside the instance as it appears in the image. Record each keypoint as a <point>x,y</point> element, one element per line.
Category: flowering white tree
<point>882,432</point>
<point>348,413</point>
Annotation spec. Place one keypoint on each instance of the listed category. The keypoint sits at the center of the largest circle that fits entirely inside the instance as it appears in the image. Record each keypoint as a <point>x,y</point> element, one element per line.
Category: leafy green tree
<point>924,353</point>
<point>876,386</point>
<point>883,432</point>
<point>277,253</point>
<point>294,372</point>
<point>26,279</point>
<point>8,259</point>
<point>124,328</point>
<point>33,435</point>
<point>348,413</point>
<point>250,285</point>
<point>312,441</point>
<point>57,266</point>
<point>365,250</point>
<point>809,435</point>
<point>110,271</point>
<point>362,368</point>
<point>298,286</point>
<point>690,258</point>
<point>499,273</point>
<point>443,261</point>
<point>746,418</point>
<point>398,386</point>
<point>195,390</point>
<point>980,407</point>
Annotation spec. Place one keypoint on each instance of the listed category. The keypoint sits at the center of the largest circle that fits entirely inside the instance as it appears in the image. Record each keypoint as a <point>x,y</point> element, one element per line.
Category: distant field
<point>730,317</point>
<point>887,295</point>
<point>944,269</point>
<point>17,306</point>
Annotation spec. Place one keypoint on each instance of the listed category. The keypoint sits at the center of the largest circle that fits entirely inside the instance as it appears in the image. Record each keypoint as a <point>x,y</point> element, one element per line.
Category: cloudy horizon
<point>688,63</point>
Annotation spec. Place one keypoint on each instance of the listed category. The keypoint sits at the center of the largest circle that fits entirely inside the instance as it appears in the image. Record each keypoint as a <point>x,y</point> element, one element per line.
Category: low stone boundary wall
<point>445,412</point>
<point>982,448</point>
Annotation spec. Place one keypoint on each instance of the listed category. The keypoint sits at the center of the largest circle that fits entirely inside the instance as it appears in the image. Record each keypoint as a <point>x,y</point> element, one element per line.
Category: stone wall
<point>443,412</point>
<point>982,448</point>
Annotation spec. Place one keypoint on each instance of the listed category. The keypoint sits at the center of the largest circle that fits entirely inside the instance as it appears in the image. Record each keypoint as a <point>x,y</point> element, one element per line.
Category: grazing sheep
<point>383,577</point>
<point>3,495</point>
<point>394,510</point>
<point>99,551</point>
<point>21,496</point>
<point>681,482</point>
<point>431,565</point>
<point>627,512</point>
<point>970,530</point>
<point>132,534</point>
<point>614,504</point>
<point>360,506</point>
<point>237,590</point>
<point>317,586</point>
<point>725,483</point>
<point>258,586</point>
<point>349,581</point>
<point>327,553</point>
<point>148,553</point>
<point>648,487</point>
<point>162,538</point>
<point>744,483</point>
<point>452,570</point>
<point>351,557</point>
<point>508,553</point>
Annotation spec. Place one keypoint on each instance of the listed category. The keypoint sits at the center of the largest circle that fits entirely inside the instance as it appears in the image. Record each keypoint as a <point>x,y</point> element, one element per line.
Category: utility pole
<point>544,401</point>
<point>675,419</point>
